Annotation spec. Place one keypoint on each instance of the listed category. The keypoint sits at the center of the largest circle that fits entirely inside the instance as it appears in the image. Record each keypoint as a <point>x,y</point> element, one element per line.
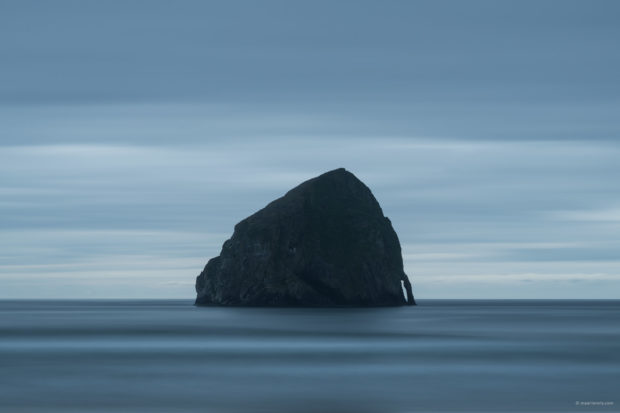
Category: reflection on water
<point>443,355</point>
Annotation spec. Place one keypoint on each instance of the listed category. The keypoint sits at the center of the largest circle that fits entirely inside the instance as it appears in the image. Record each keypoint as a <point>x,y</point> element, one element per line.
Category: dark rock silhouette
<point>324,243</point>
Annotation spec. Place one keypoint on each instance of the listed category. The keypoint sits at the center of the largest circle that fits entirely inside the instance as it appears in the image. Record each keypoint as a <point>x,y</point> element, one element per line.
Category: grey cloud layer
<point>322,51</point>
<point>134,135</point>
<point>492,215</point>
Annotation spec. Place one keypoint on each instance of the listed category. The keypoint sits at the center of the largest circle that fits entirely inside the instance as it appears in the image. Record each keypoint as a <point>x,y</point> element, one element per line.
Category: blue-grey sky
<point>135,134</point>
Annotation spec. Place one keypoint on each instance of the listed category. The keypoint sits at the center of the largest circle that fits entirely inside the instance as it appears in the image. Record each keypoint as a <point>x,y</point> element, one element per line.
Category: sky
<point>135,134</point>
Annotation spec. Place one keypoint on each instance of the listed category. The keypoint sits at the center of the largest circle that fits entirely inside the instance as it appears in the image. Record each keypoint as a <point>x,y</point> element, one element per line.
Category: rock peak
<point>324,243</point>
<point>336,176</point>
<point>336,172</point>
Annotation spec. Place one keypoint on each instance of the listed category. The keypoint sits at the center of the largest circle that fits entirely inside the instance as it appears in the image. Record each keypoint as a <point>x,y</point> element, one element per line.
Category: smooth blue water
<point>443,355</point>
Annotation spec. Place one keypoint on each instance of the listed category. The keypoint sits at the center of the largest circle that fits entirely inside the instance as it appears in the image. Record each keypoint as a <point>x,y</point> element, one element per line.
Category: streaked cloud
<point>596,215</point>
<point>128,154</point>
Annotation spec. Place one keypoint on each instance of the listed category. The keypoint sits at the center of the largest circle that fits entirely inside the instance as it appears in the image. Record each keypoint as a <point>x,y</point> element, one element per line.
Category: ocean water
<point>441,356</point>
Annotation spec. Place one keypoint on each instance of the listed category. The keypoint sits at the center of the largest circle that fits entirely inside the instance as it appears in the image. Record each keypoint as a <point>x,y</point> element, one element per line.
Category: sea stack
<point>325,243</point>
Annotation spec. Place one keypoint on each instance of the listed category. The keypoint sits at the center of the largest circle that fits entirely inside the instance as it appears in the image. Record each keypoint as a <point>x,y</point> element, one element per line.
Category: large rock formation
<point>324,243</point>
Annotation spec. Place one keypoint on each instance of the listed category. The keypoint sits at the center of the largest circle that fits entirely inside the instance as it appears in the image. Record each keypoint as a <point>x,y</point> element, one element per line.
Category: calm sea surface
<point>441,356</point>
